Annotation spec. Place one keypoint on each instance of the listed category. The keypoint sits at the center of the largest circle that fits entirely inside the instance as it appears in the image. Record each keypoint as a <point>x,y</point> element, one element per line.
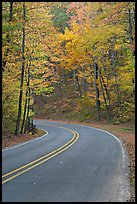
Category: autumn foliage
<point>78,54</point>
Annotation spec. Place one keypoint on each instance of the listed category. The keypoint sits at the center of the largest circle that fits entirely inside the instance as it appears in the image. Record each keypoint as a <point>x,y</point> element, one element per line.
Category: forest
<point>73,60</point>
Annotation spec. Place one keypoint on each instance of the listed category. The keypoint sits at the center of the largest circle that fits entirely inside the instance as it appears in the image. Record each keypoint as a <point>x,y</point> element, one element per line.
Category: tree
<point>83,52</point>
<point>97,25</point>
<point>22,72</point>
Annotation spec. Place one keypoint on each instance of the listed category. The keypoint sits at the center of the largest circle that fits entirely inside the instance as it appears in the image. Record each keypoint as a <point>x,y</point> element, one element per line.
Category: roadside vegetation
<point>9,140</point>
<point>71,61</point>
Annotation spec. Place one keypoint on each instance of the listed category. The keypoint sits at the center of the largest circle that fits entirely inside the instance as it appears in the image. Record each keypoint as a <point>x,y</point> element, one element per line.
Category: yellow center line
<point>54,152</point>
<point>30,163</point>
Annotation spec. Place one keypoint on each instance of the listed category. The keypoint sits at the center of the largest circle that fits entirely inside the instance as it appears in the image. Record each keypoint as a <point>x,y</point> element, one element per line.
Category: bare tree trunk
<point>130,27</point>
<point>11,14</point>
<point>130,22</point>
<point>115,76</point>
<point>26,101</point>
<point>27,125</point>
<point>22,74</point>
<point>74,80</point>
<point>96,90</point>
<point>64,82</point>
<point>104,97</point>
<point>78,85</point>
<point>24,115</point>
<point>32,126</point>
<point>105,87</point>
<point>84,82</point>
<point>8,39</point>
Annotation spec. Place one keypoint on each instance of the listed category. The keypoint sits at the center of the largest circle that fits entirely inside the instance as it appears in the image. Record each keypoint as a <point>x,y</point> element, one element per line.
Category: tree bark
<point>11,14</point>
<point>115,77</point>
<point>84,82</point>
<point>8,38</point>
<point>27,125</point>
<point>96,90</point>
<point>104,97</point>
<point>74,80</point>
<point>130,27</point>
<point>24,115</point>
<point>105,87</point>
<point>26,101</point>
<point>22,73</point>
<point>131,43</point>
<point>78,85</point>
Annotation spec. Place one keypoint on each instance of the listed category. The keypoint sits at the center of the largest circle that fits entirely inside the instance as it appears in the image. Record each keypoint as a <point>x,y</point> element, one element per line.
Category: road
<point>70,163</point>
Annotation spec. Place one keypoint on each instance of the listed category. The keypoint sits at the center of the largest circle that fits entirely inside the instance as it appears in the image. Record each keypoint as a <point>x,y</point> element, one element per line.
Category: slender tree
<point>22,73</point>
<point>104,97</point>
<point>96,75</point>
<point>26,100</point>
<point>8,38</point>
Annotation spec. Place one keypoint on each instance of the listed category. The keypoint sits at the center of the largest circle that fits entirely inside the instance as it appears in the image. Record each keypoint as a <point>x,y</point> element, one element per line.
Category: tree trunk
<point>74,80</point>
<point>11,14</point>
<point>25,107</point>
<point>104,97</point>
<point>130,27</point>
<point>22,74</point>
<point>32,126</point>
<point>115,76</point>
<point>96,90</point>
<point>8,38</point>
<point>24,115</point>
<point>131,43</point>
<point>78,85</point>
<point>27,125</point>
<point>105,87</point>
<point>84,82</point>
<point>64,82</point>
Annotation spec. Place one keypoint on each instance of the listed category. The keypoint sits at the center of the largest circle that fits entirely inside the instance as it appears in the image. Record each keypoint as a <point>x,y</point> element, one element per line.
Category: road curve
<point>71,163</point>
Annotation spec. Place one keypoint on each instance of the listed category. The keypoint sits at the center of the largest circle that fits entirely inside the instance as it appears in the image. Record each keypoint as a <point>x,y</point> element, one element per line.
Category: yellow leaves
<point>47,74</point>
<point>117,46</point>
<point>75,27</point>
<point>127,77</point>
<point>36,81</point>
<point>69,35</point>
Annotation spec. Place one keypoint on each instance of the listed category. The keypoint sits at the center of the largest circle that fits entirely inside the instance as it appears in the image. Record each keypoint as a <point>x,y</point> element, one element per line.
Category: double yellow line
<point>16,172</point>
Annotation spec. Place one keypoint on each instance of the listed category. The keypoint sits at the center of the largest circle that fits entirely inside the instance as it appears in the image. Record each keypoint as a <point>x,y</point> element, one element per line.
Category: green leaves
<point>62,42</point>
<point>44,90</point>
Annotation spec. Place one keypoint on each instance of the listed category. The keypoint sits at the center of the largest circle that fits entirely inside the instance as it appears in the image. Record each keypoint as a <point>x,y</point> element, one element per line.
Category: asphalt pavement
<point>70,163</point>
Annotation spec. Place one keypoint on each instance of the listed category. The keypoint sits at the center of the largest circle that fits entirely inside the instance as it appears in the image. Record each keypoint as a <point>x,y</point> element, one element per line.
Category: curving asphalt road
<point>71,163</point>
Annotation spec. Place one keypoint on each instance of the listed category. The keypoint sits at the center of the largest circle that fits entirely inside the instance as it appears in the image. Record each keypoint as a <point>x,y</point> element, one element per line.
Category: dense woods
<point>71,59</point>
